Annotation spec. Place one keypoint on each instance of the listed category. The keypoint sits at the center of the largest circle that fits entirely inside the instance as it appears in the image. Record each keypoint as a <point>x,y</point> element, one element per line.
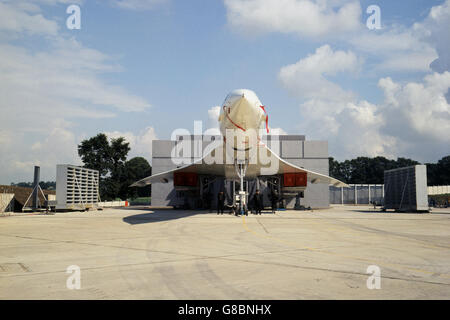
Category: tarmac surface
<point>141,253</point>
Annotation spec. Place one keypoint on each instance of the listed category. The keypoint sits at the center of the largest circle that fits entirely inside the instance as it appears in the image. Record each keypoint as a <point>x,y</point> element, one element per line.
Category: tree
<point>438,174</point>
<point>108,158</point>
<point>95,154</point>
<point>118,152</point>
<point>364,170</point>
<point>444,171</point>
<point>432,174</point>
<point>45,185</point>
<point>334,168</point>
<point>135,169</point>
<point>403,162</point>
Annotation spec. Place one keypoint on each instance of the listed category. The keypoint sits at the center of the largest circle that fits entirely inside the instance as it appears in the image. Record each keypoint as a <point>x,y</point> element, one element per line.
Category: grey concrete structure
<point>312,155</point>
<point>76,187</point>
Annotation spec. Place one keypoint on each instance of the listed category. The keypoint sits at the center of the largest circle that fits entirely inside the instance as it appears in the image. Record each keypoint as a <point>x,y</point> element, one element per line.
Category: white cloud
<point>214,113</point>
<point>50,2</point>
<point>353,128</point>
<point>44,93</point>
<point>137,4</point>
<point>308,18</point>
<point>423,47</point>
<point>64,140</point>
<point>414,117</point>
<point>58,84</point>
<point>394,48</point>
<point>212,125</point>
<point>6,138</point>
<point>140,144</point>
<point>306,78</point>
<point>59,146</point>
<point>330,112</point>
<point>277,132</point>
<point>435,31</point>
<point>408,62</point>
<point>15,18</point>
<point>421,108</point>
<point>19,156</point>
<point>398,49</point>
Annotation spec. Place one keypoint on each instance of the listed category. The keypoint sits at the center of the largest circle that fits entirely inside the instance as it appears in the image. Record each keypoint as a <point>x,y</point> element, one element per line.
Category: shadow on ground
<point>160,215</point>
<point>388,211</point>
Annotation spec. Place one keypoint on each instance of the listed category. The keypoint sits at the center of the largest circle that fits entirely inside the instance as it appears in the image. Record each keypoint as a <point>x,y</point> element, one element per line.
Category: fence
<point>357,194</point>
<point>435,190</point>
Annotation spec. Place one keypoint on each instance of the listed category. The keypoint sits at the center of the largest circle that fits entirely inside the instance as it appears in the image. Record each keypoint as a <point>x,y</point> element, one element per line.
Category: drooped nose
<point>243,110</point>
<point>247,106</point>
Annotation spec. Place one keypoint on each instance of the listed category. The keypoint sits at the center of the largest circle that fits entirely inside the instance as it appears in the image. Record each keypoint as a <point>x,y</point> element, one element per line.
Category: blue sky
<point>142,69</point>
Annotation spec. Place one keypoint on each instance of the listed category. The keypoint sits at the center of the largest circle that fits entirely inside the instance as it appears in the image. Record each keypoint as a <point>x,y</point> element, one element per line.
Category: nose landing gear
<point>241,168</point>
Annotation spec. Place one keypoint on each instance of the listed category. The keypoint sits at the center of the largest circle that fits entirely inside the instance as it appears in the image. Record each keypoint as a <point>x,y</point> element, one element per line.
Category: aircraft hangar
<point>311,155</point>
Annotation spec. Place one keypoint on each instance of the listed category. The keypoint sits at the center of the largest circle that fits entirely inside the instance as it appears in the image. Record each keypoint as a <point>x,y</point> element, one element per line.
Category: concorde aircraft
<point>241,154</point>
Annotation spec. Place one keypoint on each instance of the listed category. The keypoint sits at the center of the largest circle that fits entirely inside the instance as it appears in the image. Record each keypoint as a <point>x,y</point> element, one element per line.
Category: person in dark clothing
<point>274,200</point>
<point>208,200</point>
<point>220,202</point>
<point>258,201</point>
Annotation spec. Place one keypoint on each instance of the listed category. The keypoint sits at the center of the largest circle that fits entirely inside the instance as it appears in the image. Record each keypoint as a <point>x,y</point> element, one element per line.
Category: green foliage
<point>45,185</point>
<point>116,174</point>
<point>141,201</point>
<point>438,174</point>
<point>118,153</point>
<point>364,170</point>
<point>135,169</point>
<point>108,158</point>
<point>371,170</point>
<point>96,154</point>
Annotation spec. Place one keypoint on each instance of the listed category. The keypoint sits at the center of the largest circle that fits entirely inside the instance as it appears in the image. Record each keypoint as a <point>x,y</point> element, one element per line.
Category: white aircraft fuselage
<point>243,120</point>
<point>242,110</point>
<point>243,114</point>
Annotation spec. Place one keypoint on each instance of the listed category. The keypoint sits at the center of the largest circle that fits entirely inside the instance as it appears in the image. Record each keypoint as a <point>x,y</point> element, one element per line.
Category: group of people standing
<point>257,202</point>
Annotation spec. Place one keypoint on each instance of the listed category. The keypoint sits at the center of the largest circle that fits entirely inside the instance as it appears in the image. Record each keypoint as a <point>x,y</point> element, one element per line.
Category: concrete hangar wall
<point>312,155</point>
